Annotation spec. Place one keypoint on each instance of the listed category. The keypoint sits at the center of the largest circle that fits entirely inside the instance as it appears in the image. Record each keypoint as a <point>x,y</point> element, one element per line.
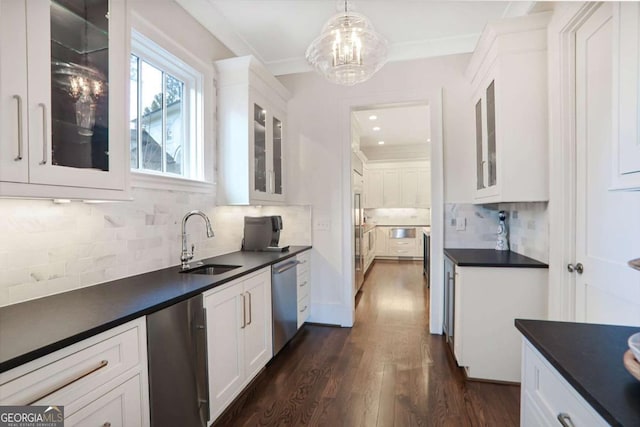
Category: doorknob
<point>578,268</point>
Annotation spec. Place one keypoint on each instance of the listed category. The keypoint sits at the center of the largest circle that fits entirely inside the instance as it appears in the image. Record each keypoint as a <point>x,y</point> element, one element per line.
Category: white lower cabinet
<point>239,336</point>
<point>118,408</point>
<point>304,287</point>
<point>103,377</point>
<point>487,300</point>
<point>546,397</point>
<point>388,246</point>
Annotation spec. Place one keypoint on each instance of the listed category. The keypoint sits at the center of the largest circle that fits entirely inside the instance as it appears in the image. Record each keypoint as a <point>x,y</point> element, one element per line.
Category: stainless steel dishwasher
<point>284,302</point>
<point>177,353</point>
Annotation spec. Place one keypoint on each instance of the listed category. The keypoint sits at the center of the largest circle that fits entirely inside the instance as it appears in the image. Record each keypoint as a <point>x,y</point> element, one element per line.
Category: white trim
<point>346,106</point>
<point>153,46</point>
<point>149,179</point>
<point>562,162</point>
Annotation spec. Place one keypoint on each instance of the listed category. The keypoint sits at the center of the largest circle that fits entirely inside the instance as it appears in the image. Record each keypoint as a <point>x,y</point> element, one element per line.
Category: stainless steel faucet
<point>187,256</point>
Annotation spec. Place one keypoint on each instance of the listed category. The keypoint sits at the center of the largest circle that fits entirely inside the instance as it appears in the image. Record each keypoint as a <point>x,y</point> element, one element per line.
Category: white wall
<point>181,27</point>
<point>319,157</point>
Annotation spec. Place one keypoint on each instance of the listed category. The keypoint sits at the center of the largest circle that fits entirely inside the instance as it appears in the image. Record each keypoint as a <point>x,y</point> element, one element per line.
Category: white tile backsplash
<point>49,248</point>
<point>527,223</point>
<point>398,216</point>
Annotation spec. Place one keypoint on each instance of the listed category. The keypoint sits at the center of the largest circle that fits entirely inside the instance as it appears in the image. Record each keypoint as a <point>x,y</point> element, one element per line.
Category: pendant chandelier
<point>348,50</point>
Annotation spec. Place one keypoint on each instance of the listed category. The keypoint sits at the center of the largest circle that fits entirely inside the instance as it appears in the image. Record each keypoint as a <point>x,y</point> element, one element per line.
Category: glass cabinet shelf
<point>76,33</point>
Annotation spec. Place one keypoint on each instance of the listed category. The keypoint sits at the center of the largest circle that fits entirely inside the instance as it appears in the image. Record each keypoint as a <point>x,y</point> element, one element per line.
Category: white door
<point>258,347</point>
<point>607,225</point>
<point>225,342</point>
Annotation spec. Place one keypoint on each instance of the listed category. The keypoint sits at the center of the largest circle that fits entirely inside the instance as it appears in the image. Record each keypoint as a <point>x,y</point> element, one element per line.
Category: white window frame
<point>151,45</point>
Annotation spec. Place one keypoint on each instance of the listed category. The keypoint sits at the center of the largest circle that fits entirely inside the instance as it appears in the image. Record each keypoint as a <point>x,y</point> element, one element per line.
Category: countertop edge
<point>566,375</point>
<point>524,262</point>
<point>92,331</point>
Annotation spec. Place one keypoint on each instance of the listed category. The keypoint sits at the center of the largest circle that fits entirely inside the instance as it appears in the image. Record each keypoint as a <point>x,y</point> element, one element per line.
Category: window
<point>165,112</point>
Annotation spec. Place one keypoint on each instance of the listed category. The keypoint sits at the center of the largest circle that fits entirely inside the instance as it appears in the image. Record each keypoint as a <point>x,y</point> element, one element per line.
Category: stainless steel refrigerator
<point>358,236</point>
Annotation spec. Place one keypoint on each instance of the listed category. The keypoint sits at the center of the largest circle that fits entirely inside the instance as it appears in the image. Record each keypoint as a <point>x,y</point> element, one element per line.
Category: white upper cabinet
<point>397,185</point>
<point>372,188</point>
<point>62,92</point>
<point>626,111</point>
<point>251,122</point>
<point>508,74</point>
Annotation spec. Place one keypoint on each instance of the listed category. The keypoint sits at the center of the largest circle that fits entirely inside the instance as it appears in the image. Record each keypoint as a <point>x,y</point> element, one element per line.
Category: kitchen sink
<point>211,269</point>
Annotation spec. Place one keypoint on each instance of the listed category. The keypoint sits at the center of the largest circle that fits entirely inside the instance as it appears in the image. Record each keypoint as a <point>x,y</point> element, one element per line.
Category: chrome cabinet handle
<point>244,312</point>
<point>107,424</point>
<point>565,420</point>
<point>45,125</point>
<point>304,309</point>
<point>250,317</point>
<point>303,284</point>
<point>78,377</point>
<point>571,268</point>
<point>20,135</point>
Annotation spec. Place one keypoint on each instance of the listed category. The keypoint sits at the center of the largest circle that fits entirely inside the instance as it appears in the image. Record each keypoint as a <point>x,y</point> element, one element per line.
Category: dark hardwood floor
<point>385,371</point>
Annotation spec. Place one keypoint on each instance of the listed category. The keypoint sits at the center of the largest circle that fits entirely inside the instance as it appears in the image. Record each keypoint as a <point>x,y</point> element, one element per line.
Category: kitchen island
<point>587,360</point>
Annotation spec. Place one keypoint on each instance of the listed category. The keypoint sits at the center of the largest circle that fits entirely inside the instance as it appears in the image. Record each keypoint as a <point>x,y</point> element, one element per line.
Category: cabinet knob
<point>578,268</point>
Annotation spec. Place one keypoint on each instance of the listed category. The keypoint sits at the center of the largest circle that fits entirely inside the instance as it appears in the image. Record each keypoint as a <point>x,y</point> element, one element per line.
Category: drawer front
<point>402,243</point>
<point>304,258</point>
<point>551,394</point>
<point>402,251</point>
<point>121,407</point>
<point>303,310</point>
<point>62,377</point>
<point>303,284</point>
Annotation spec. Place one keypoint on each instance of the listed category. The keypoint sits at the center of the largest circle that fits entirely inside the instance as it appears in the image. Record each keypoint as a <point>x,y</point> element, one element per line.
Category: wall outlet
<point>323,225</point>
<point>461,224</point>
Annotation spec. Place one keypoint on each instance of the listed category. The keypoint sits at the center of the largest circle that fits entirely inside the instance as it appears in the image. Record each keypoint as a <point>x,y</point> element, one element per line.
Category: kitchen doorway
<point>390,186</point>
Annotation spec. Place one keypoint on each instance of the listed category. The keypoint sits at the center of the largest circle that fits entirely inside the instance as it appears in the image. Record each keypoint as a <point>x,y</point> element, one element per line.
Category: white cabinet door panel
<point>13,92</point>
<point>225,344</point>
<point>626,111</point>
<point>258,347</point>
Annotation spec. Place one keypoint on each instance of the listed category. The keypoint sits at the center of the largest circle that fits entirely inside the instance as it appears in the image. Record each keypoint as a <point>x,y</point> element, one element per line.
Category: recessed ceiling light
<point>380,142</point>
<point>428,139</point>
<point>376,128</point>
<point>373,117</point>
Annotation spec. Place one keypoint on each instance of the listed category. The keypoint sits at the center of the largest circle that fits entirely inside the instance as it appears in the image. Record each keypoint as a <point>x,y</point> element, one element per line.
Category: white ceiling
<point>405,130</point>
<point>277,32</point>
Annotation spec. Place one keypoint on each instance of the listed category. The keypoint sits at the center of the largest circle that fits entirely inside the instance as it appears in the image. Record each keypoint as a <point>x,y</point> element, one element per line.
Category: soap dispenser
<point>502,243</point>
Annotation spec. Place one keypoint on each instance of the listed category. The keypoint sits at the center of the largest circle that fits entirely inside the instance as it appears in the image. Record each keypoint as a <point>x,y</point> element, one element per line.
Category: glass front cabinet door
<point>267,152</point>
<point>486,157</point>
<point>72,131</point>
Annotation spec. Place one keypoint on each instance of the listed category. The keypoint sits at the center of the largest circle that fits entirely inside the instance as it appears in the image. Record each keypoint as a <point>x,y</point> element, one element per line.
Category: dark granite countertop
<point>589,357</point>
<point>35,328</point>
<point>491,258</point>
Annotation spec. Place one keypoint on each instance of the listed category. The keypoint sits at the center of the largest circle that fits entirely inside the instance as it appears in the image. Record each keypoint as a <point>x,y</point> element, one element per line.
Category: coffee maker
<point>262,234</point>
